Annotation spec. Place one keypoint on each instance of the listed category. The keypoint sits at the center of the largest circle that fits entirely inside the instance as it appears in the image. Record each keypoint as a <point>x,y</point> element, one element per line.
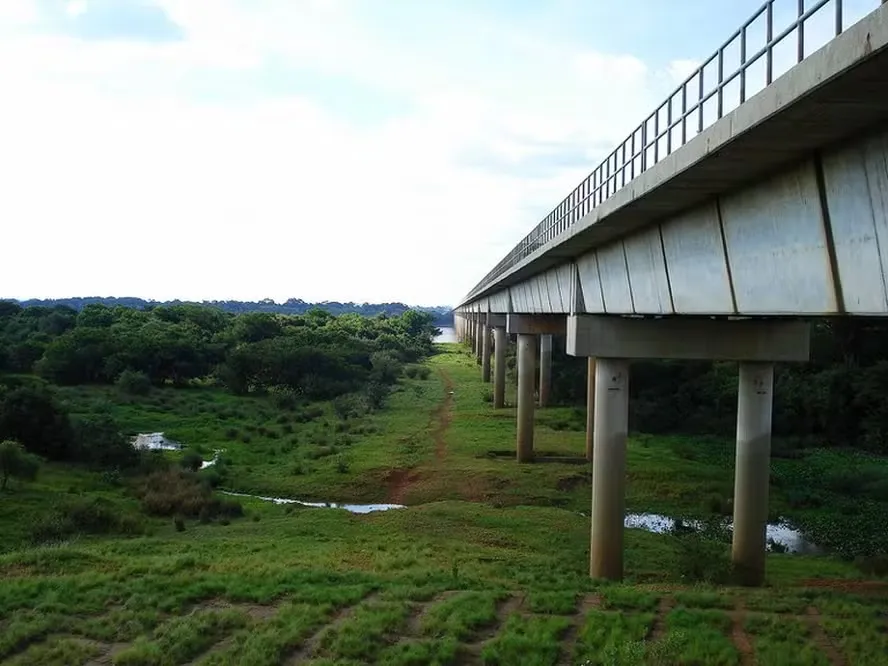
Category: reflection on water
<point>352,508</point>
<point>448,334</point>
<point>783,534</point>
<point>154,441</point>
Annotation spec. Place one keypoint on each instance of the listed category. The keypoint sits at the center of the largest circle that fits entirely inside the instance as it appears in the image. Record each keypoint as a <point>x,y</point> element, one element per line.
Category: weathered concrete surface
<point>535,324</point>
<point>688,338</point>
<point>751,474</point>
<point>609,468</point>
<point>526,366</point>
<point>499,367</point>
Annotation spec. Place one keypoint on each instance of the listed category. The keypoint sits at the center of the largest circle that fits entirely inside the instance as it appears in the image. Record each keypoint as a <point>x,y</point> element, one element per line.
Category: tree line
<point>300,358</point>
<point>442,314</point>
<point>838,398</point>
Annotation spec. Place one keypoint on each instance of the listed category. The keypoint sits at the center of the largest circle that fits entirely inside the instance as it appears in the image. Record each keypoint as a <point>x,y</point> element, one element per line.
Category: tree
<point>16,462</point>
<point>31,415</point>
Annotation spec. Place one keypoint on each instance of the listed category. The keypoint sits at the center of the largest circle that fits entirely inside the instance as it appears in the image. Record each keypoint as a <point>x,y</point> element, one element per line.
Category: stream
<point>785,536</point>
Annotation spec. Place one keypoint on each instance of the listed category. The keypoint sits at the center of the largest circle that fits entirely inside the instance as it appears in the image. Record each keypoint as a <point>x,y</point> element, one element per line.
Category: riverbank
<point>487,564</point>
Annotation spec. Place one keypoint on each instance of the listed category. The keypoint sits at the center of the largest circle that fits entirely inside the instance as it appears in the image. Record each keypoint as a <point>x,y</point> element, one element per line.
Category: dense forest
<point>839,398</point>
<point>442,315</point>
<point>293,358</point>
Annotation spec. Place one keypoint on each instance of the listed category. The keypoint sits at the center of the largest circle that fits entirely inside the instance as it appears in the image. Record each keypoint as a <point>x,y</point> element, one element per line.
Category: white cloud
<point>123,181</point>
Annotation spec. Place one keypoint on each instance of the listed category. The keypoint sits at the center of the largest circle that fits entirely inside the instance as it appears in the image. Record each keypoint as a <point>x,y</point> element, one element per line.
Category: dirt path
<point>740,638</point>
<point>310,646</point>
<point>472,649</point>
<point>587,603</point>
<point>399,481</point>
<point>443,416</point>
<point>821,640</point>
<point>658,628</point>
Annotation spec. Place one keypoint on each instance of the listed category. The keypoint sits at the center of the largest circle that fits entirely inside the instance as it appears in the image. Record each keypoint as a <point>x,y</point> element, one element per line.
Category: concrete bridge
<point>713,242</point>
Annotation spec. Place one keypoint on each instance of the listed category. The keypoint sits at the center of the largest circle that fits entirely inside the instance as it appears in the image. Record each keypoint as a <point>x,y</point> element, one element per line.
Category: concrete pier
<point>609,468</point>
<point>526,344</point>
<point>752,471</point>
<point>590,408</point>
<point>485,353</point>
<point>545,369</point>
<point>499,367</point>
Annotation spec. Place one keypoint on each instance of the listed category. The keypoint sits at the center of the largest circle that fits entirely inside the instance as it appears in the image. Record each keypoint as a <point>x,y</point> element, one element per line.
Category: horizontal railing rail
<point>668,128</point>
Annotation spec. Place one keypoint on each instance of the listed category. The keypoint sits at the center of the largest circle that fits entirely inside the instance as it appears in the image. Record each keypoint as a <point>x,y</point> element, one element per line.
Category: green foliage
<point>175,492</point>
<point>191,460</point>
<point>134,382</point>
<point>31,415</point>
<point>16,462</point>
<point>702,560</point>
<point>84,516</point>
<point>314,356</point>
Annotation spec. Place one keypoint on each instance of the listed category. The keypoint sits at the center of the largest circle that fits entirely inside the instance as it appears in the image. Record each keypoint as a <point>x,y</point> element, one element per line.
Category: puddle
<point>783,534</point>
<point>352,508</point>
<point>210,463</point>
<point>154,441</point>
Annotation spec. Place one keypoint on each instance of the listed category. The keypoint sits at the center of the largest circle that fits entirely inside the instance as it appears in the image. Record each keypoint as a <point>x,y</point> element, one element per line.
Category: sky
<point>349,150</point>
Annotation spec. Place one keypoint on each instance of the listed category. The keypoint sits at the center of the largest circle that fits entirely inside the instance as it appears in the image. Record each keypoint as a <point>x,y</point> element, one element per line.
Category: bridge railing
<point>679,118</point>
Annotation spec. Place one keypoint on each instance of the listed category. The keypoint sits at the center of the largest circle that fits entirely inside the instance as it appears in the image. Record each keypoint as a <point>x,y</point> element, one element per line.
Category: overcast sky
<point>365,150</point>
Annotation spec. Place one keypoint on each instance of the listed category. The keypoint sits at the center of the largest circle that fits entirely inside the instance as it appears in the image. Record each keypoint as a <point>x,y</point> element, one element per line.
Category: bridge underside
<point>811,240</point>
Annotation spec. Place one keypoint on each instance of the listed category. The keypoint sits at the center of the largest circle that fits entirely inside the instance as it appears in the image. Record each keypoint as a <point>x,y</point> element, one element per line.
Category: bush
<point>411,371</point>
<point>348,406</point>
<point>176,492</point>
<point>16,462</point>
<point>98,442</point>
<point>702,560</point>
<point>191,460</point>
<point>134,382</point>
<point>81,516</point>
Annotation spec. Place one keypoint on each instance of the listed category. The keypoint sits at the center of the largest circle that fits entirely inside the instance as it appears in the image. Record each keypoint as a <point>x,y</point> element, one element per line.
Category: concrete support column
<point>545,368</point>
<point>609,468</point>
<point>526,354</point>
<point>752,471</point>
<point>499,367</point>
<point>485,353</point>
<point>479,342</point>
<point>590,408</point>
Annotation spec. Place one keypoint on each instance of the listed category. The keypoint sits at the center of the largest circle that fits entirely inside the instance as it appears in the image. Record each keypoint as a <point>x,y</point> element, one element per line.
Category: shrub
<point>423,372</point>
<point>191,460</point>
<point>98,442</point>
<point>179,522</point>
<point>702,560</point>
<point>16,462</point>
<point>176,492</point>
<point>134,382</point>
<point>411,371</point>
<point>80,516</point>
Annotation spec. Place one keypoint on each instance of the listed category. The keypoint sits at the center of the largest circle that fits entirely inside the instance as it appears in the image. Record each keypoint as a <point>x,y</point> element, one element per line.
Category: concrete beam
<point>496,320</point>
<point>535,324</point>
<point>775,340</point>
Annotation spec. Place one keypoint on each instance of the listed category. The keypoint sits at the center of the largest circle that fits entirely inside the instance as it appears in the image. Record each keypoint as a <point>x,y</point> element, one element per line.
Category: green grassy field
<point>488,565</point>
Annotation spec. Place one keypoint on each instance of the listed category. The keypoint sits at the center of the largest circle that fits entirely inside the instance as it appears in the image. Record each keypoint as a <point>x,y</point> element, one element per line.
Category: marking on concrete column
<point>826,224</point>
<point>578,302</point>
<point>600,284</point>
<point>721,231</point>
<point>666,268</point>
<point>628,276</point>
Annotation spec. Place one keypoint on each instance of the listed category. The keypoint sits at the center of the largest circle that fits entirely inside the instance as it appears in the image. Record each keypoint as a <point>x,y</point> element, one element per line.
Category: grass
<point>489,564</point>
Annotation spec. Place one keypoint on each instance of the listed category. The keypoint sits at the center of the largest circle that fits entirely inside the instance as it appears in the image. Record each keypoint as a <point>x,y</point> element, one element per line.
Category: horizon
<point>227,300</point>
<point>234,150</point>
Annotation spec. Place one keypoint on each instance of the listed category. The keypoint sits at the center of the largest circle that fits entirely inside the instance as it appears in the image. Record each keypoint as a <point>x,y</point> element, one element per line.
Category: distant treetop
<point>294,306</point>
